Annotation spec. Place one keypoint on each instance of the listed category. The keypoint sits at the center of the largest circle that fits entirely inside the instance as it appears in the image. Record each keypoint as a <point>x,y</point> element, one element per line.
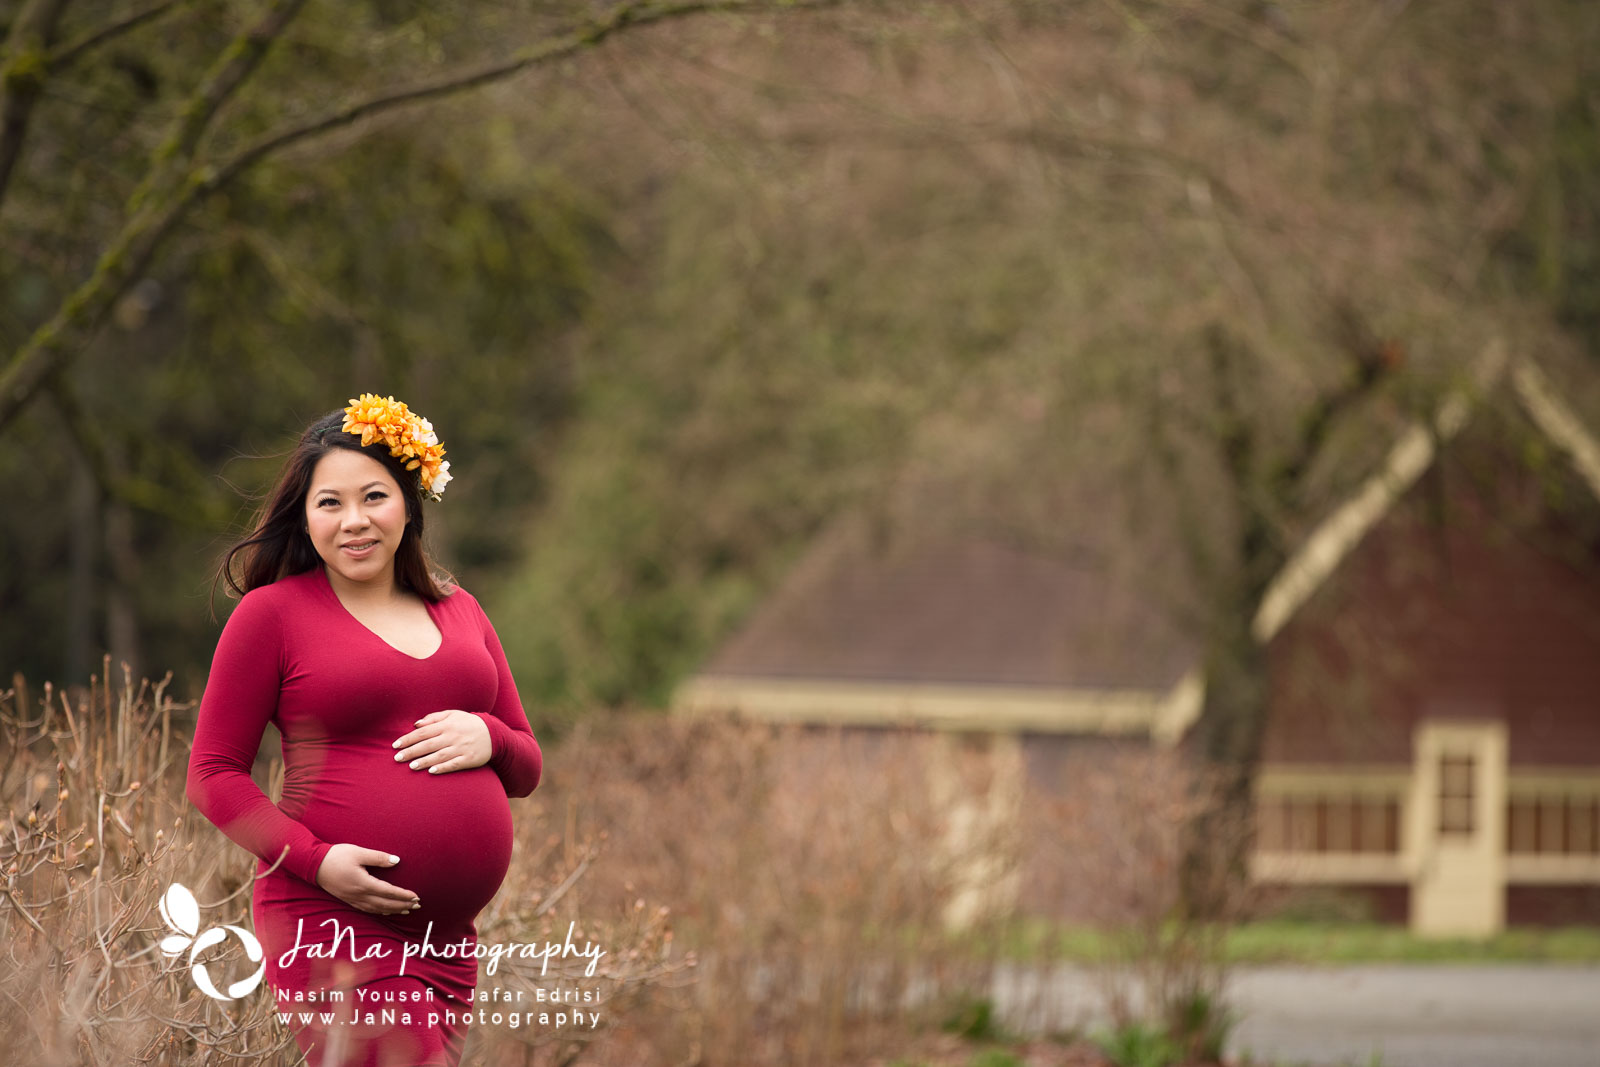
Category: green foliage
<point>1140,1044</point>
<point>404,267</point>
<point>1327,905</point>
<point>1200,1025</point>
<point>994,1057</point>
<point>1197,1032</point>
<point>974,1020</point>
<point>1291,940</point>
<point>25,72</point>
<point>1554,251</point>
<point>434,260</point>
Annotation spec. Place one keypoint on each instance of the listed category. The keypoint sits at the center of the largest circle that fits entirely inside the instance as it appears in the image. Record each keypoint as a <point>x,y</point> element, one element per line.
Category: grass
<point>1140,1045</point>
<point>1299,941</point>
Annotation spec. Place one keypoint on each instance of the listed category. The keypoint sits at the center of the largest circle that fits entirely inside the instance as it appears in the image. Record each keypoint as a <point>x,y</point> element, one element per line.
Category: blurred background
<point>674,302</point>
<point>1136,294</point>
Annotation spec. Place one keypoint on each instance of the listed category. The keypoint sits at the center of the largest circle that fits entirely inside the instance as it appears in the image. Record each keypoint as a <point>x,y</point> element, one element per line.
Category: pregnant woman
<point>403,737</point>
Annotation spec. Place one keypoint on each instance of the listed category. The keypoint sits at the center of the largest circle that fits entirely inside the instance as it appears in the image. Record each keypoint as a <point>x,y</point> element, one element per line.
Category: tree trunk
<point>83,554</point>
<point>1227,745</point>
<point>122,613</point>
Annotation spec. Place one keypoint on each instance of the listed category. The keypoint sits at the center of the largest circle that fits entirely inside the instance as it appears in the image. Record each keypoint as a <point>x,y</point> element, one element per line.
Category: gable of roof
<point>1412,455</point>
<point>975,633</point>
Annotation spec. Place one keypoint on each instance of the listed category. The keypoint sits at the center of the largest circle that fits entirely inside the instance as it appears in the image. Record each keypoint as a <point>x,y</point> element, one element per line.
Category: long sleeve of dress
<point>241,697</point>
<point>516,756</point>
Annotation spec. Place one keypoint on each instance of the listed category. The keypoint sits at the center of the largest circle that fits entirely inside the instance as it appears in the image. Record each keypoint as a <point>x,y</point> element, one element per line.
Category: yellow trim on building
<point>1006,709</point>
<point>1331,868</point>
<point>1533,782</point>
<point>1337,535</point>
<point>1534,869</point>
<point>1377,779</point>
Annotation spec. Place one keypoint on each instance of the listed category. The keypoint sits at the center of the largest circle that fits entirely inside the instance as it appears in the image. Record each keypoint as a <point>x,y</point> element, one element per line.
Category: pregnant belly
<point>451,831</point>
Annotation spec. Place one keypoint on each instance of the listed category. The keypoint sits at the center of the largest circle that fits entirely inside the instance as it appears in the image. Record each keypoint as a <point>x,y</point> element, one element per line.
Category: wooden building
<point>1434,649</point>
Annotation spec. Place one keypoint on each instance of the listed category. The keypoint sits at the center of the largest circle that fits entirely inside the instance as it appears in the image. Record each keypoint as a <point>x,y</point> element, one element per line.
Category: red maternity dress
<point>292,655</point>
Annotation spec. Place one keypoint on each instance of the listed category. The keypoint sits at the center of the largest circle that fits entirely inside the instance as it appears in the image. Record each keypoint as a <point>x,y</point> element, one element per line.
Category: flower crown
<point>410,437</point>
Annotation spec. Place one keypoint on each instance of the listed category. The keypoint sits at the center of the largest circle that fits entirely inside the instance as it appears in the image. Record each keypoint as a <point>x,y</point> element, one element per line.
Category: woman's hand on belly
<point>445,741</point>
<point>344,874</point>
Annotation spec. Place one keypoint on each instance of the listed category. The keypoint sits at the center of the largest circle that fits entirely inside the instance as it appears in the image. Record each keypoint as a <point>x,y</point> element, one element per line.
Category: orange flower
<point>409,436</point>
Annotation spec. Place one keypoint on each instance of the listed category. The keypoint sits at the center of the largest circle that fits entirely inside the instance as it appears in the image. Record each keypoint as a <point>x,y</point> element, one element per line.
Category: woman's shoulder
<point>276,598</point>
<point>464,607</point>
<point>456,595</point>
<point>290,587</point>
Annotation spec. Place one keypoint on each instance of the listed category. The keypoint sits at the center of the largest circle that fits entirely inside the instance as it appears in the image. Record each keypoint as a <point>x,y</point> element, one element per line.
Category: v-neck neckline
<point>327,583</point>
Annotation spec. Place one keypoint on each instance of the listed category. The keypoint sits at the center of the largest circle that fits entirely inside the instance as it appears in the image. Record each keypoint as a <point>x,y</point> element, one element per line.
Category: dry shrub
<point>98,827</point>
<point>814,870</point>
<point>811,874</point>
<point>1113,852</point>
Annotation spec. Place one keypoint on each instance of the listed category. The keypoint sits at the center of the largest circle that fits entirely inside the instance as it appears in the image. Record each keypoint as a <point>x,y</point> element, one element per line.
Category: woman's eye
<point>377,493</point>
<point>326,500</point>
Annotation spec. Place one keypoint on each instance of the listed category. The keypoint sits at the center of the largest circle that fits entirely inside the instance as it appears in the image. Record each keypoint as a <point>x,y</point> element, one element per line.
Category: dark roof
<point>952,609</point>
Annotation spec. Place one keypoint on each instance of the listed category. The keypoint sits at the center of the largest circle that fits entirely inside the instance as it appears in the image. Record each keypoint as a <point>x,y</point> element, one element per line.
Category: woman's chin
<point>366,571</point>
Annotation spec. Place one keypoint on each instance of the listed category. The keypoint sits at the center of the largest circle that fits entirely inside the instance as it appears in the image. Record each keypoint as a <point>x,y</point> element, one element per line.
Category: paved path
<point>1407,1015</point>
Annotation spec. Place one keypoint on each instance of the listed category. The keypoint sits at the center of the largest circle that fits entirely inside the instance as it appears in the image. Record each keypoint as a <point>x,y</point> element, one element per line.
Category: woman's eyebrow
<point>335,492</point>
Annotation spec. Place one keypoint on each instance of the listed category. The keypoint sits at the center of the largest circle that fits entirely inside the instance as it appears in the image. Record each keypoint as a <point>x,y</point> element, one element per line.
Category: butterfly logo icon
<point>182,912</point>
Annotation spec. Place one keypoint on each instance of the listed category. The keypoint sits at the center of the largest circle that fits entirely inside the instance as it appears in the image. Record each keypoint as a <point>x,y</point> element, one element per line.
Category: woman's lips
<point>359,551</point>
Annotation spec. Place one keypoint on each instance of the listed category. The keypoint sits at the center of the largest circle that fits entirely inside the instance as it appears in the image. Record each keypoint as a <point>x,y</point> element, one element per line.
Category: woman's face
<point>355,517</point>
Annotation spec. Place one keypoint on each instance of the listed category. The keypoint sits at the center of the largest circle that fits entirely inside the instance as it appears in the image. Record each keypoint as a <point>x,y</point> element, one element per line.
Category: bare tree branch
<point>619,19</point>
<point>73,51</point>
<point>1371,362</point>
<point>231,70</point>
<point>1235,433</point>
<point>1062,140</point>
<point>57,342</point>
<point>1160,420</point>
<point>1260,552</point>
<point>1270,39</point>
<point>22,77</point>
<point>53,345</point>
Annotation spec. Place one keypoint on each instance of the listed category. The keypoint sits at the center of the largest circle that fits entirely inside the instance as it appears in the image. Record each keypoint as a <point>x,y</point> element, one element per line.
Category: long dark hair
<point>278,546</point>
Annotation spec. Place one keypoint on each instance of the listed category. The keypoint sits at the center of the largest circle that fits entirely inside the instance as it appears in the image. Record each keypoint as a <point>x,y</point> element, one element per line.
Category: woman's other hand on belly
<point>444,741</point>
<point>344,874</point>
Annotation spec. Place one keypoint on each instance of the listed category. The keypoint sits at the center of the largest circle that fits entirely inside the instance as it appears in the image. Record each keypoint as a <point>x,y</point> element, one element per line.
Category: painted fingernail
<point>414,763</point>
<point>394,859</point>
<point>433,770</point>
<point>398,756</point>
<point>396,744</point>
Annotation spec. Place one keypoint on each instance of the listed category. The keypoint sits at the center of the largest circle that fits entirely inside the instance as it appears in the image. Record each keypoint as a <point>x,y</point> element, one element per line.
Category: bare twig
<point>589,36</point>
<point>251,882</point>
<point>22,911</point>
<point>1273,42</point>
<point>72,51</point>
